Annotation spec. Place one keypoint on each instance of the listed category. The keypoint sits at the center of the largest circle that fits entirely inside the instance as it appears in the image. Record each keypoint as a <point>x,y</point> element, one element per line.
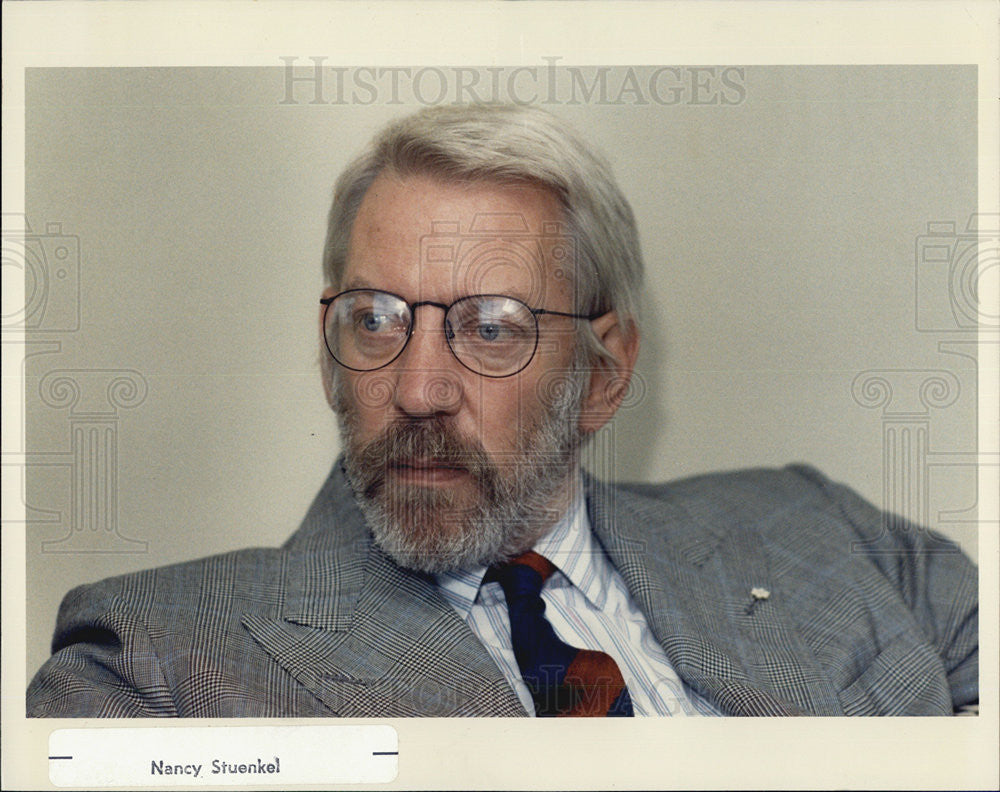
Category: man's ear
<point>325,361</point>
<point>609,379</point>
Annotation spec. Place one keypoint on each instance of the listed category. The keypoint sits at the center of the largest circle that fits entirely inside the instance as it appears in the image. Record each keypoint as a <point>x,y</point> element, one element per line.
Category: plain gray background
<point>790,289</point>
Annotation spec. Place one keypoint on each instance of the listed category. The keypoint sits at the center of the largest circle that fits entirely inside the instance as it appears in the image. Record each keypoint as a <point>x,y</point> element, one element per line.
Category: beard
<point>516,497</point>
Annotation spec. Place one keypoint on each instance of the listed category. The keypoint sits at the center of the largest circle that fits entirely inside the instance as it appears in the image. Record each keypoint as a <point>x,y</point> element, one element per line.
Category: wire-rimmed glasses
<point>491,334</point>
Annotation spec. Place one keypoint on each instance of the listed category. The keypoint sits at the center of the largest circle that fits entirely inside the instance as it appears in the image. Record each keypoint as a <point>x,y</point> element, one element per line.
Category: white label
<point>210,755</point>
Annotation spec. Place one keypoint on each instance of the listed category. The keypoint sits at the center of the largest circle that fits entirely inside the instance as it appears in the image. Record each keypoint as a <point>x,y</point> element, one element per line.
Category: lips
<point>427,471</point>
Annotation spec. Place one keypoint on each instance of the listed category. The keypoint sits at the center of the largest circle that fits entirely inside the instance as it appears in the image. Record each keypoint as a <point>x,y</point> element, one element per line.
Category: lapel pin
<point>757,594</point>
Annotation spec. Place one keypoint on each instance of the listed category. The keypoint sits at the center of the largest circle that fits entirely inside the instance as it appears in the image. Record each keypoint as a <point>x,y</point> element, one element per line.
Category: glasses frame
<point>535,313</point>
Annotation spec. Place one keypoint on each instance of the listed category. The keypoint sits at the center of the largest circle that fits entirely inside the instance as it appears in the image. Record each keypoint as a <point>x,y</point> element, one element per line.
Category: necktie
<point>563,680</point>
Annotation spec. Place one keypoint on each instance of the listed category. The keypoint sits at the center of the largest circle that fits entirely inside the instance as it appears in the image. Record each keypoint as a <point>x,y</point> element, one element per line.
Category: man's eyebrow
<point>360,283</point>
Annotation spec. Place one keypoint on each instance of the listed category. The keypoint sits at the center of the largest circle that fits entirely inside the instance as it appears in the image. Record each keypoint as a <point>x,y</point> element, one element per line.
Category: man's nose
<point>427,380</point>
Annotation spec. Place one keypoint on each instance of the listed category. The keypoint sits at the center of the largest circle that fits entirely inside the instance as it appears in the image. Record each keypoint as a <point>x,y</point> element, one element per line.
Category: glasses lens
<point>495,336</point>
<point>366,329</point>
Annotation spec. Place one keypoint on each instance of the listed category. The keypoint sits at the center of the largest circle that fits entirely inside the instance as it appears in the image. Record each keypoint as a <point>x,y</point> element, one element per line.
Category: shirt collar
<point>570,545</point>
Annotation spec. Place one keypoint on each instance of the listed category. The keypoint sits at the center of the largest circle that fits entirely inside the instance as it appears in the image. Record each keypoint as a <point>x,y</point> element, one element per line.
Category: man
<point>479,325</point>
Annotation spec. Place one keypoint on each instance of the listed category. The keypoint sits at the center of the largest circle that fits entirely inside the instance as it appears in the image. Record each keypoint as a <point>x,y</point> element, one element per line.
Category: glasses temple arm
<point>590,317</point>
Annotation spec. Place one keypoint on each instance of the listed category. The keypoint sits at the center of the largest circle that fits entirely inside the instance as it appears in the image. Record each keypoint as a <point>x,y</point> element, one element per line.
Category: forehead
<point>427,238</point>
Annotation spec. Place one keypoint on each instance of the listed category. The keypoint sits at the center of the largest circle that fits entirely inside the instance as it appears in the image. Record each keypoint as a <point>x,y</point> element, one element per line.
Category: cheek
<point>367,398</point>
<point>503,414</point>
<point>372,393</point>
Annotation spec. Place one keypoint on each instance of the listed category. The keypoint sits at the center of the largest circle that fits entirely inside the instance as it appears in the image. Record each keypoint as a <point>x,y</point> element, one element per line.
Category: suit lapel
<point>369,638</point>
<point>692,578</point>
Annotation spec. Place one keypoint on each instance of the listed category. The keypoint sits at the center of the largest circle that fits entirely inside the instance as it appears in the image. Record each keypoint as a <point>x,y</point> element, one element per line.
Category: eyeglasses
<point>490,334</point>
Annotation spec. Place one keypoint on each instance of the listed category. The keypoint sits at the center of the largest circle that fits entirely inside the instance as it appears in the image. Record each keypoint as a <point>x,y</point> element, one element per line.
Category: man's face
<point>450,467</point>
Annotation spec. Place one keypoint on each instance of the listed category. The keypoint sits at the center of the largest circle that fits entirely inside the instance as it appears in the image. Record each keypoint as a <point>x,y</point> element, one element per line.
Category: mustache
<point>425,441</point>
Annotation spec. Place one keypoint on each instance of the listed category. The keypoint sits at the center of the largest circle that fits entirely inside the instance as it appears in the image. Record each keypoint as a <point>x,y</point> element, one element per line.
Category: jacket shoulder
<point>139,644</point>
<point>239,572</point>
<point>735,496</point>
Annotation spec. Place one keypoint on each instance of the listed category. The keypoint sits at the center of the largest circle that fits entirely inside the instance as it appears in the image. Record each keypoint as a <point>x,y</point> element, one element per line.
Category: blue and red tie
<point>564,681</point>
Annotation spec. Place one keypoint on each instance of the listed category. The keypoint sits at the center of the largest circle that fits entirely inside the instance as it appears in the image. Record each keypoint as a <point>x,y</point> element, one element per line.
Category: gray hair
<point>508,144</point>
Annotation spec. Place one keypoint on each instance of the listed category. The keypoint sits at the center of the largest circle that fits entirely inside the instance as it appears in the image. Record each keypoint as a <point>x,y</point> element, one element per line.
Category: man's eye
<point>489,332</point>
<point>495,333</point>
<point>373,322</point>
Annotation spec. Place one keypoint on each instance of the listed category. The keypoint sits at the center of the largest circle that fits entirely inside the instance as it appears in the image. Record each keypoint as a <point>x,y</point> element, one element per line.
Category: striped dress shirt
<point>589,607</point>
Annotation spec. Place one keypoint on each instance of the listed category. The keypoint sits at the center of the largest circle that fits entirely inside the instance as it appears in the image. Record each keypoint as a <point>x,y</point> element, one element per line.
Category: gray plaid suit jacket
<point>864,617</point>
